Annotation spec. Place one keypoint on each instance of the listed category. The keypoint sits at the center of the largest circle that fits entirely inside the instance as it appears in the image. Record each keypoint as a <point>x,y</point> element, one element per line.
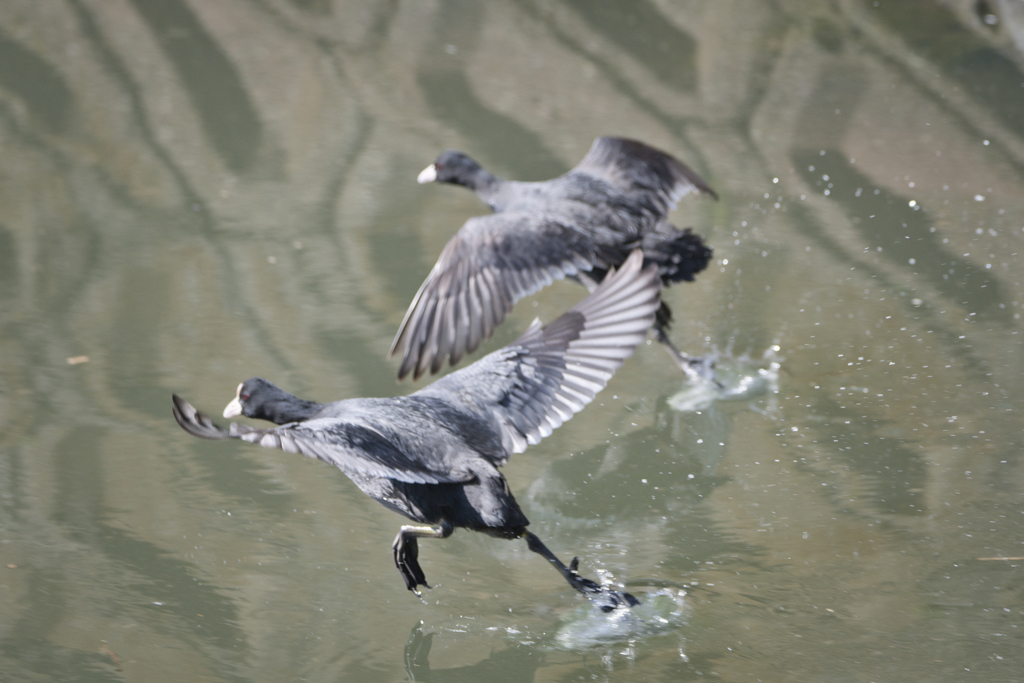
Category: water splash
<point>586,626</point>
<point>736,379</point>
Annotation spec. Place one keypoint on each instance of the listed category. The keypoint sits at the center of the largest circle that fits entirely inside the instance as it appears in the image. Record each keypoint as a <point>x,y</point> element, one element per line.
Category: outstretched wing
<point>491,263</point>
<point>643,172</point>
<point>533,385</point>
<point>357,448</point>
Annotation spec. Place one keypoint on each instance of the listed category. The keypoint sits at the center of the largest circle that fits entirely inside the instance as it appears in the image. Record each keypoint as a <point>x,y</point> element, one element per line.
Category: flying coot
<point>433,455</point>
<point>577,225</point>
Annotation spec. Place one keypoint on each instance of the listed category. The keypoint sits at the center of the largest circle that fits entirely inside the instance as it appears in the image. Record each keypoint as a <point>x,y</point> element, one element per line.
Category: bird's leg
<point>406,550</point>
<point>605,598</point>
<point>697,369</point>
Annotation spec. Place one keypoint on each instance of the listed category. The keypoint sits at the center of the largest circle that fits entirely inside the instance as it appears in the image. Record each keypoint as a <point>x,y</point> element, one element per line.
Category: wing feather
<point>643,172</point>
<point>491,263</point>
<point>356,448</point>
<point>546,376</point>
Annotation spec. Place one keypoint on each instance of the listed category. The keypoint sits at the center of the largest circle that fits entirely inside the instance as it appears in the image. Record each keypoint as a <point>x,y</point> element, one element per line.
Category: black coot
<point>577,225</point>
<point>433,455</point>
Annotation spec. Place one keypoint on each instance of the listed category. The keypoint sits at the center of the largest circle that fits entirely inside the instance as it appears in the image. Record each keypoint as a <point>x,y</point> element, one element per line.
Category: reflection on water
<point>989,74</point>
<point>512,663</point>
<point>36,83</point>
<point>895,228</point>
<point>196,193</point>
<point>667,51</point>
<point>216,92</point>
<point>611,637</point>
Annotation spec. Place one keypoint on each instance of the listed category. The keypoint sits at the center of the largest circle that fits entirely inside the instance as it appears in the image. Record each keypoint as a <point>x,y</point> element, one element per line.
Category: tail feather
<point>679,254</point>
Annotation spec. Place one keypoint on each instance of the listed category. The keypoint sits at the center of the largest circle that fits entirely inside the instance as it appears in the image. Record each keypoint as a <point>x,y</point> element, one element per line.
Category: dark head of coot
<point>456,168</point>
<point>578,225</point>
<point>259,399</point>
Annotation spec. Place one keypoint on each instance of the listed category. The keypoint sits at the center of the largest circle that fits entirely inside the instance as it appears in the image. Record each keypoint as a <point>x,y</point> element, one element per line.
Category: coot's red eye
<point>245,397</point>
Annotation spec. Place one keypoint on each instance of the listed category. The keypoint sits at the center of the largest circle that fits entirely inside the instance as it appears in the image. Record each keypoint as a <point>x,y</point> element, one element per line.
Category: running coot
<point>433,455</point>
<point>577,225</point>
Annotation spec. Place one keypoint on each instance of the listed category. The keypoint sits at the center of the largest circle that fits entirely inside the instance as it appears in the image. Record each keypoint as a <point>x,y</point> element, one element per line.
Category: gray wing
<point>533,385</point>
<point>356,448</point>
<point>643,172</point>
<point>491,263</point>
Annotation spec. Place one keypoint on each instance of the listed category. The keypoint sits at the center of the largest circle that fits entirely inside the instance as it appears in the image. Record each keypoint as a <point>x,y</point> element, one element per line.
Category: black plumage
<point>433,455</point>
<point>577,225</point>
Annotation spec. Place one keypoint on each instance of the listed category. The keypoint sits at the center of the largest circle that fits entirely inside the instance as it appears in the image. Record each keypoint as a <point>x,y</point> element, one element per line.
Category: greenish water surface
<point>194,193</point>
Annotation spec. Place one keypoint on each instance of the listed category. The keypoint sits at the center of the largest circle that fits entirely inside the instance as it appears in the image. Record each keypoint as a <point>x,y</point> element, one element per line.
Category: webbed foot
<point>406,551</point>
<point>607,599</point>
<point>696,368</point>
<point>699,369</point>
<point>603,597</point>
